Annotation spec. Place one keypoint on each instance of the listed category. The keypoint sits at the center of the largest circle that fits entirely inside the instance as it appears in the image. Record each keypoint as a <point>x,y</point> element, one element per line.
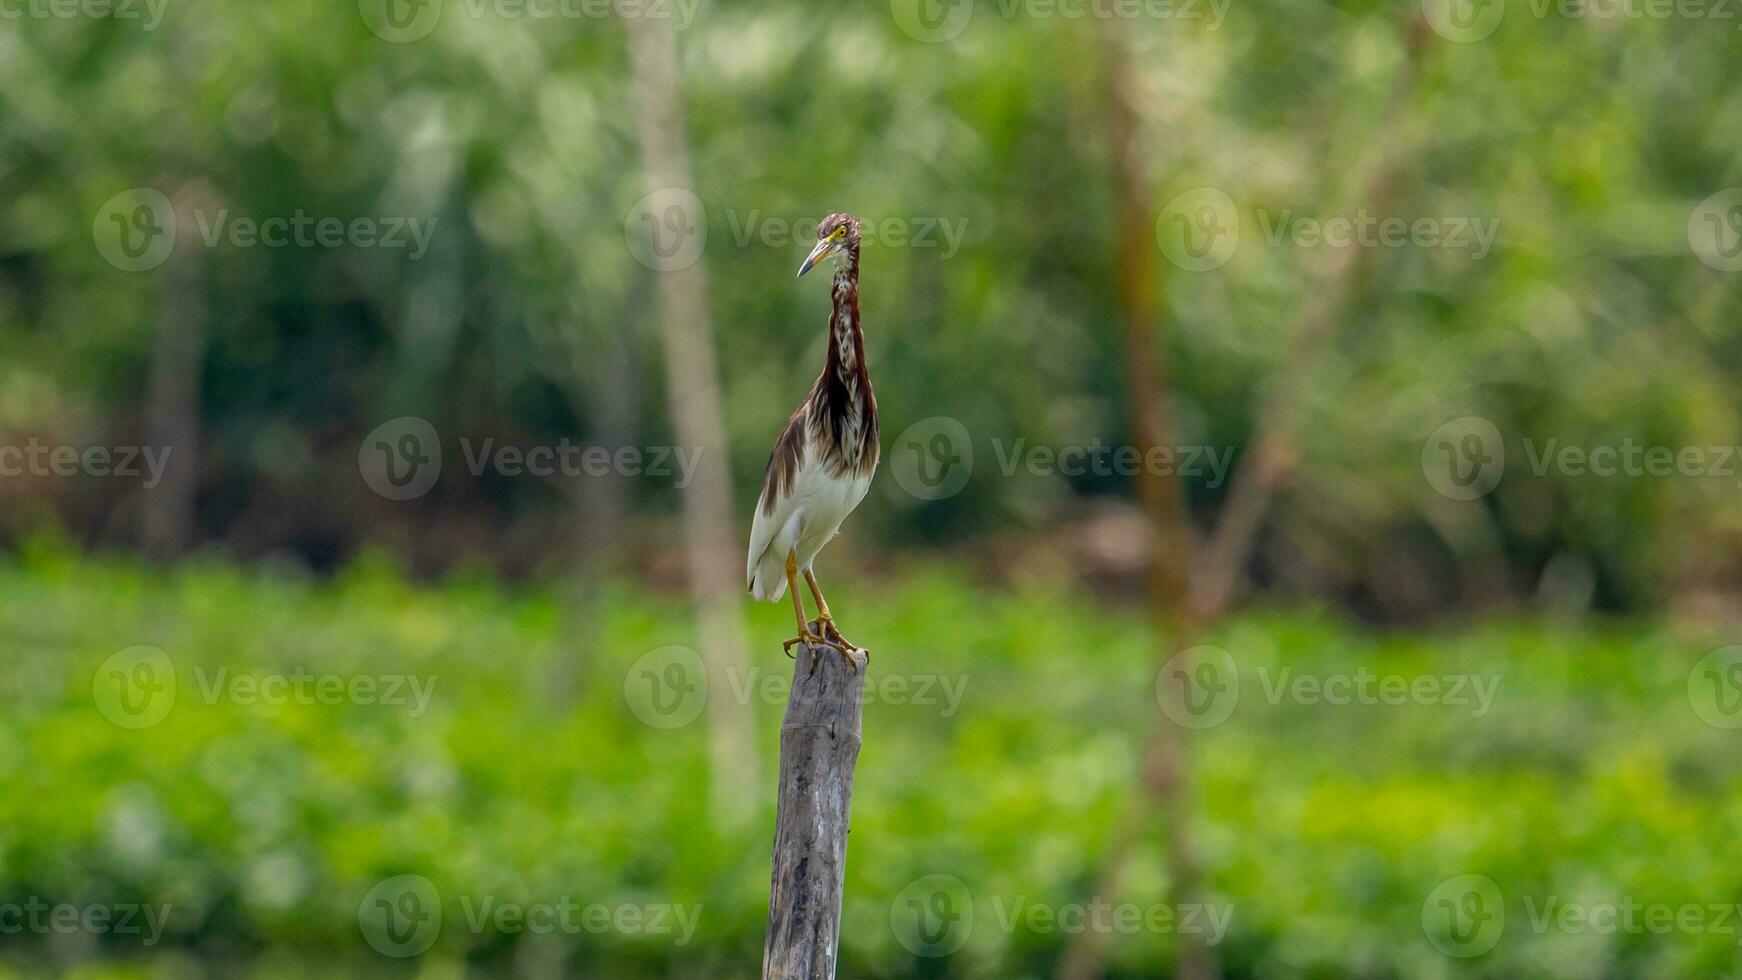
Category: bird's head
<point>837,233</point>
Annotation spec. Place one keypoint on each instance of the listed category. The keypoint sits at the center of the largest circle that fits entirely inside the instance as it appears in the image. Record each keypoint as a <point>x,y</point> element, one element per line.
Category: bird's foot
<point>807,638</point>
<point>826,623</point>
<point>829,637</point>
<point>835,638</point>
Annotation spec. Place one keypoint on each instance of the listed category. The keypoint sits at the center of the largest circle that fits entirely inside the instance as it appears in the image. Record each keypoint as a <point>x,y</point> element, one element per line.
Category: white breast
<point>824,501</point>
<point>802,521</point>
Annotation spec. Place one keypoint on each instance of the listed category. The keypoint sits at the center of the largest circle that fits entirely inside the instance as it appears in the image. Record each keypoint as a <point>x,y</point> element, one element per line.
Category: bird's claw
<point>837,639</point>
<point>831,638</point>
<point>808,638</point>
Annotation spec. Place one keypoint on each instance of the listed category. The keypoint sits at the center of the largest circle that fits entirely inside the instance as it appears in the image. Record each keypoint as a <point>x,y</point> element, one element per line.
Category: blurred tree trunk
<point>692,386</point>
<point>1215,568</point>
<point>172,409</point>
<point>1149,406</point>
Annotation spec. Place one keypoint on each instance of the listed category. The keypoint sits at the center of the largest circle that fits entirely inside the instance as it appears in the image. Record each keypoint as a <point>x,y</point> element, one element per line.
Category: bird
<point>823,461</point>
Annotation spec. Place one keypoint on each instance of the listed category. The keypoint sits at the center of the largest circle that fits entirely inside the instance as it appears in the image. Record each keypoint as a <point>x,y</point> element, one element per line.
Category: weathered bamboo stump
<point>819,748</point>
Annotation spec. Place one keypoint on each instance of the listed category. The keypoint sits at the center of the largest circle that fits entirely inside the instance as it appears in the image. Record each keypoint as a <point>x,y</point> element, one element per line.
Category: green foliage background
<point>1322,827</point>
<point>1590,140</point>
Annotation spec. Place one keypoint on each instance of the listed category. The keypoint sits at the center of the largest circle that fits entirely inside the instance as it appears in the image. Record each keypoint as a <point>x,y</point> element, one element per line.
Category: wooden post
<point>819,748</point>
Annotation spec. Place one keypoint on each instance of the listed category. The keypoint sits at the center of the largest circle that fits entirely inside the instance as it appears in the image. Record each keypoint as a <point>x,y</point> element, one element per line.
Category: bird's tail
<point>768,578</point>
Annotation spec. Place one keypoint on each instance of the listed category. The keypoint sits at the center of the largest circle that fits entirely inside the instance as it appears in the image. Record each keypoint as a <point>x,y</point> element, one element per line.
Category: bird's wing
<point>775,504</point>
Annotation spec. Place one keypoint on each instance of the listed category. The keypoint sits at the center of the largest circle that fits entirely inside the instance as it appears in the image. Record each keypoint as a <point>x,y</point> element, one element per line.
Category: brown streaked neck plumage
<point>846,360</point>
<point>843,394</point>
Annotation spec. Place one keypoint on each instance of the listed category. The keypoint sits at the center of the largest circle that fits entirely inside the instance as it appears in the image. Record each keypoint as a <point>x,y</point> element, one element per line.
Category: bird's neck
<point>846,409</point>
<point>846,359</point>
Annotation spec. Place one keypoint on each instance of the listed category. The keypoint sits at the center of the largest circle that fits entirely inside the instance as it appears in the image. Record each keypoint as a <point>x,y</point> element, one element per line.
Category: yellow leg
<point>824,619</point>
<point>792,586</point>
<point>804,631</point>
<point>810,579</point>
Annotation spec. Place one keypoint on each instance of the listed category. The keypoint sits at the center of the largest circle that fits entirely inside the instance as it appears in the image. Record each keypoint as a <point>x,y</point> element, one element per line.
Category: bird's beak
<point>824,249</point>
